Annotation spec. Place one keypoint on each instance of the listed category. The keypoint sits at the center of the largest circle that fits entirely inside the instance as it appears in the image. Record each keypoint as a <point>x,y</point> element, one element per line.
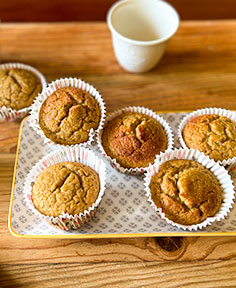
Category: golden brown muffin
<point>186,191</point>
<point>67,116</point>
<point>67,187</point>
<point>212,134</point>
<point>134,139</point>
<point>18,88</point>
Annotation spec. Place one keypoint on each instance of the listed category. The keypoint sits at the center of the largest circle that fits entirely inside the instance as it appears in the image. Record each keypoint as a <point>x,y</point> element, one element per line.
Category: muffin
<point>134,139</point>
<point>66,187</point>
<point>68,114</point>
<point>212,134</point>
<point>18,88</point>
<point>186,191</point>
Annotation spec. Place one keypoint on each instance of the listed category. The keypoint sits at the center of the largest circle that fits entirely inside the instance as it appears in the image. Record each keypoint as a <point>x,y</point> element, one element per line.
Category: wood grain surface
<point>96,10</point>
<point>198,70</point>
<point>146,274</point>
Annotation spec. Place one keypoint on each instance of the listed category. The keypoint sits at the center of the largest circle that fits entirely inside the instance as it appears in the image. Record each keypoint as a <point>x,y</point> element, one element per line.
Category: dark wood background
<point>95,10</point>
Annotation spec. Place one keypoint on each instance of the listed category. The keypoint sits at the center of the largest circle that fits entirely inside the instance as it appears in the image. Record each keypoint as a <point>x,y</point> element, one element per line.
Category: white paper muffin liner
<point>218,111</point>
<point>10,114</point>
<point>72,154</point>
<point>143,110</point>
<point>219,171</point>
<point>52,87</point>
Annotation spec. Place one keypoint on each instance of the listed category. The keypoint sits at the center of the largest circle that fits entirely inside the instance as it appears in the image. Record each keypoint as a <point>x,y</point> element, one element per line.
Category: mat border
<point>97,236</point>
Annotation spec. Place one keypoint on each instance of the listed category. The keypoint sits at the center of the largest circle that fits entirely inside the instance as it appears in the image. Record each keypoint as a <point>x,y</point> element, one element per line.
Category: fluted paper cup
<point>52,87</point>
<point>10,114</point>
<point>142,110</point>
<point>79,154</point>
<point>219,171</point>
<point>205,111</point>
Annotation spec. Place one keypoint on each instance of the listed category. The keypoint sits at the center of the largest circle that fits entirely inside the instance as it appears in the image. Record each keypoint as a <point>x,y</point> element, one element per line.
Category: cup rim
<point>138,42</point>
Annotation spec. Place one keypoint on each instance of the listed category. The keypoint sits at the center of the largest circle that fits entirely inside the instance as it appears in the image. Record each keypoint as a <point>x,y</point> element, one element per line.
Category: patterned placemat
<point>123,210</point>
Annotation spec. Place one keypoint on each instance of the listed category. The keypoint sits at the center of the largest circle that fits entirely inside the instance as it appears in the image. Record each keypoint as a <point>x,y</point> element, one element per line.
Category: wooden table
<point>198,70</point>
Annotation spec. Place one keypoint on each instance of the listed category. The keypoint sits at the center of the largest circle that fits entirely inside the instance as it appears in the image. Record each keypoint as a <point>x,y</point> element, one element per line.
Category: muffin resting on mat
<point>214,135</point>
<point>66,187</point>
<point>134,139</point>
<point>186,191</point>
<point>18,88</point>
<point>67,116</point>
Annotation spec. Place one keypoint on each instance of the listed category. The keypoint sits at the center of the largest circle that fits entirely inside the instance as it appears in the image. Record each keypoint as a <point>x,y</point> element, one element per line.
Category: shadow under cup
<point>140,31</point>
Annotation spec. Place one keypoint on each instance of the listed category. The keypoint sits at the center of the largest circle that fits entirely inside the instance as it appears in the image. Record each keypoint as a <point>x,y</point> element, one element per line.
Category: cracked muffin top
<point>18,88</point>
<point>186,191</point>
<point>134,139</point>
<point>212,134</point>
<point>67,116</point>
<point>68,187</point>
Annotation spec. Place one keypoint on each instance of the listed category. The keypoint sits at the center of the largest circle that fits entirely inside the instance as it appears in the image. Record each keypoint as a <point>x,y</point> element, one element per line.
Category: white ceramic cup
<point>140,32</point>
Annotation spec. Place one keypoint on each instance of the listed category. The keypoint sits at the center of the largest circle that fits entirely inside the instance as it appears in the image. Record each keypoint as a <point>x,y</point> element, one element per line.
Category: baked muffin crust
<point>212,134</point>
<point>134,139</point>
<point>67,116</point>
<point>68,187</point>
<point>18,88</point>
<point>186,191</point>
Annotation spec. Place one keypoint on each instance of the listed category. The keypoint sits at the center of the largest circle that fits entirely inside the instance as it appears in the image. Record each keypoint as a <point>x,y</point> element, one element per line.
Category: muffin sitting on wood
<point>67,116</point>
<point>134,139</point>
<point>18,88</point>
